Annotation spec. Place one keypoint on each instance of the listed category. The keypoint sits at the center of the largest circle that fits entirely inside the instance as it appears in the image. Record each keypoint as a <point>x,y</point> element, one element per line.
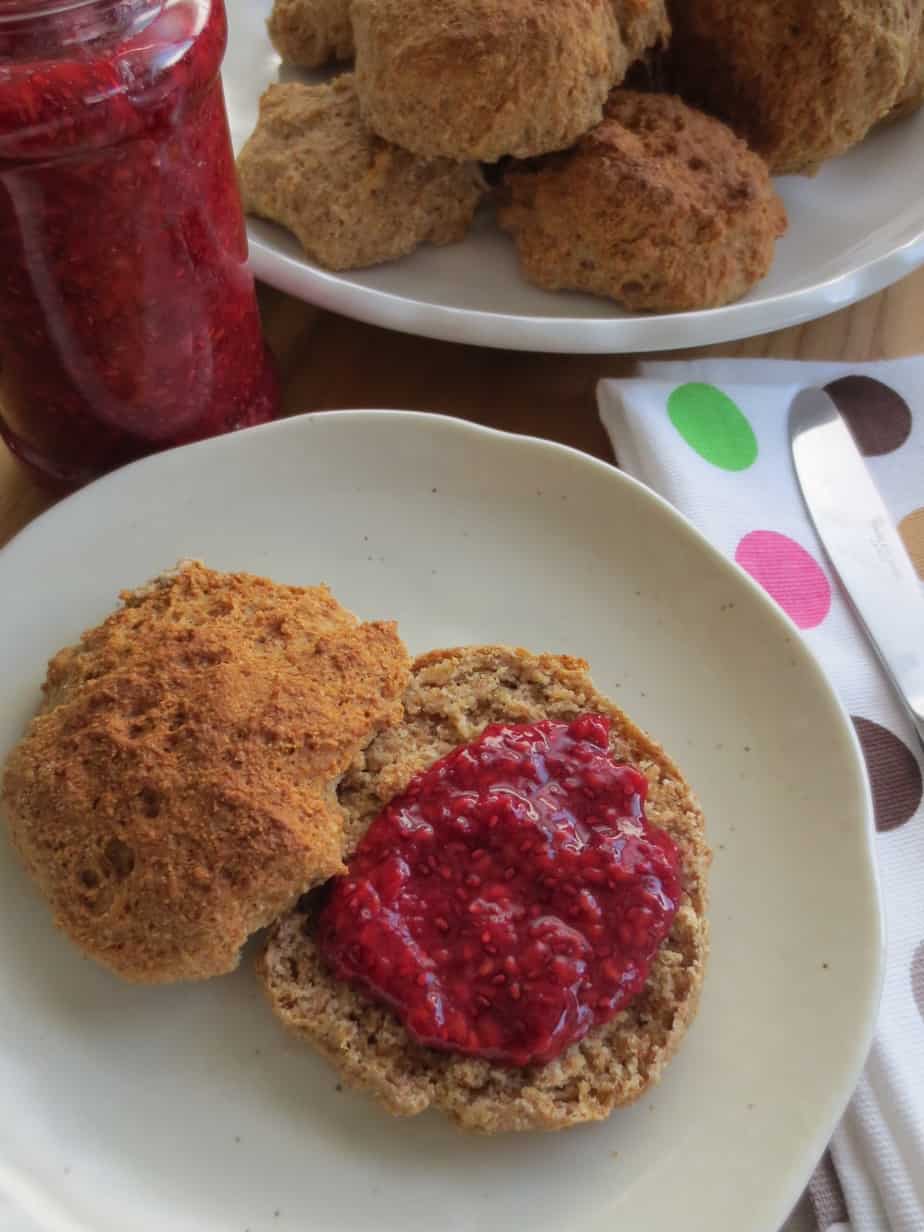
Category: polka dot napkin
<point>713,439</point>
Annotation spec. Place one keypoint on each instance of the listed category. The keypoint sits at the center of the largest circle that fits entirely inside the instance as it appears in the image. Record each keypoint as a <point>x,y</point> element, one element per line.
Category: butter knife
<point>861,542</point>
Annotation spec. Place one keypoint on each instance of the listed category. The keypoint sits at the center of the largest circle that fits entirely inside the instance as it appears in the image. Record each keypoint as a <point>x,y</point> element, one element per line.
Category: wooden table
<point>329,362</point>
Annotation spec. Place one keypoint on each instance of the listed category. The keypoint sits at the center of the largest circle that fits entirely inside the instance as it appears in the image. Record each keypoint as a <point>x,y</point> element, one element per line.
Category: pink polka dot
<point>788,574</point>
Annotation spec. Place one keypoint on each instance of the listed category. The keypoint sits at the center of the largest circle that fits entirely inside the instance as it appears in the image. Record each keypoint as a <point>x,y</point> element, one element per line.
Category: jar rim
<point>26,10</point>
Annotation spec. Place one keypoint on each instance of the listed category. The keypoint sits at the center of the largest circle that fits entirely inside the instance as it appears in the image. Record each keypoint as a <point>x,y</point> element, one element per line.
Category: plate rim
<point>743,319</point>
<point>28,1196</point>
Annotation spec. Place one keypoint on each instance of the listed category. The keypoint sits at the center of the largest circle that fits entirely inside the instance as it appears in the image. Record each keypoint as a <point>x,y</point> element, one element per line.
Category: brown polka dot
<point>879,418</point>
<point>911,530</point>
<point>827,1195</point>
<point>917,978</point>
<point>894,774</point>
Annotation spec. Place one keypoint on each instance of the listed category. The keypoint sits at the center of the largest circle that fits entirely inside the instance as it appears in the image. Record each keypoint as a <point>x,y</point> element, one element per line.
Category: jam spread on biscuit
<point>512,898</point>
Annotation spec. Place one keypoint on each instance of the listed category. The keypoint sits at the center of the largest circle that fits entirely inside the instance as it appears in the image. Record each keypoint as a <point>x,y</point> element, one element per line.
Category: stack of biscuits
<point>634,194</point>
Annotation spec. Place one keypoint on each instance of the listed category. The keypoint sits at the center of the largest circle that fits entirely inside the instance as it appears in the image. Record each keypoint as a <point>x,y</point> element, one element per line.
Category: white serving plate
<point>187,1108</point>
<point>855,228</point>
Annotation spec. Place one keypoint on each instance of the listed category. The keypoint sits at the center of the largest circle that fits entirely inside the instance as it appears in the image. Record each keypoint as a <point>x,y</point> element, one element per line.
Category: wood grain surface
<point>329,362</point>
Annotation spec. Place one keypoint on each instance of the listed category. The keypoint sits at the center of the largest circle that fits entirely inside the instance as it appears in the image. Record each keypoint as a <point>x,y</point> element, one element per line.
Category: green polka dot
<point>713,425</point>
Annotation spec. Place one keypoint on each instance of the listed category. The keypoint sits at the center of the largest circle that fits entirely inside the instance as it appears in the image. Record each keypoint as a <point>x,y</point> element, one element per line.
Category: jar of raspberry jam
<point>128,319</point>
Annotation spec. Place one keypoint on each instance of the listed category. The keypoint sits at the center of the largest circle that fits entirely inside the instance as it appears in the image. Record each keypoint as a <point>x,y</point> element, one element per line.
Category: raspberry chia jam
<point>512,898</point>
<point>128,320</point>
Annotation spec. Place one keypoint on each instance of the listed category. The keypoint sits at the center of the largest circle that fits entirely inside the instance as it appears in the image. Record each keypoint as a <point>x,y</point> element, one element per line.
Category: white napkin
<point>712,438</point>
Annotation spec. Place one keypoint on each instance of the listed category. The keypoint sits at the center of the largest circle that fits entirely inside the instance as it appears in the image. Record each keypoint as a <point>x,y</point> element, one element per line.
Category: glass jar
<point>128,320</point>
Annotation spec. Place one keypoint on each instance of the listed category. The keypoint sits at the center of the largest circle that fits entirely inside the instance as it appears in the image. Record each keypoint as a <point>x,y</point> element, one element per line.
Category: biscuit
<point>912,95</point>
<point>481,79</point>
<point>453,695</point>
<point>176,793</point>
<point>659,207</point>
<point>802,82</point>
<point>350,198</point>
<point>311,33</point>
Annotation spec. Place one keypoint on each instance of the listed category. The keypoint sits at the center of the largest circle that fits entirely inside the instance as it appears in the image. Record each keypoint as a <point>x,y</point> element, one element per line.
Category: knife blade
<point>861,542</point>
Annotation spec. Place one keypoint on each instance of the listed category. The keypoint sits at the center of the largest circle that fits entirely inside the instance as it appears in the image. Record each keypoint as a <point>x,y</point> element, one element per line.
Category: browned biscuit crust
<point>802,82</point>
<point>452,697</point>
<point>350,198</point>
<point>659,207</point>
<point>310,33</point>
<point>177,790</point>
<point>912,96</point>
<point>480,79</point>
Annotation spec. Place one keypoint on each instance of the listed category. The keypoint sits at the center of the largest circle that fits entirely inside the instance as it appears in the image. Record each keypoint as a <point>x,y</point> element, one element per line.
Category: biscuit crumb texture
<point>452,697</point>
<point>802,82</point>
<point>311,33</point>
<point>481,79</point>
<point>177,790</point>
<point>912,94</point>
<point>659,207</point>
<point>350,198</point>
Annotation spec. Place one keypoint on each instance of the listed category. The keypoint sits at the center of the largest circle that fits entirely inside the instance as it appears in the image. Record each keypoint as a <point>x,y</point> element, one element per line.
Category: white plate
<point>855,228</point>
<point>188,1109</point>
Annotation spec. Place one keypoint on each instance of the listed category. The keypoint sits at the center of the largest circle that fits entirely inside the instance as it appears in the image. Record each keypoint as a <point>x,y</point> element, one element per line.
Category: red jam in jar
<point>512,898</point>
<point>128,319</point>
